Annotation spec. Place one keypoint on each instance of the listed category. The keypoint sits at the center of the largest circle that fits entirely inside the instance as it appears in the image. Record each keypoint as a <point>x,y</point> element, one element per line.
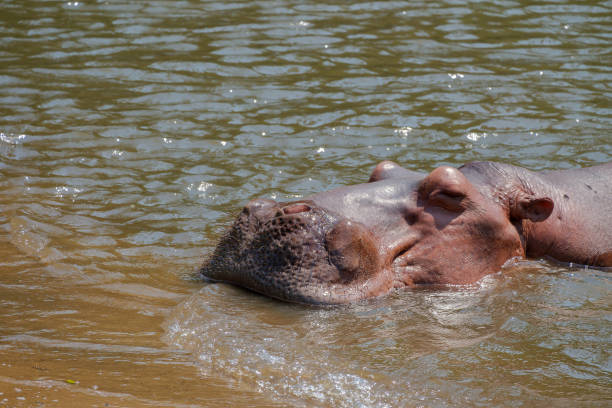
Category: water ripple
<point>131,133</point>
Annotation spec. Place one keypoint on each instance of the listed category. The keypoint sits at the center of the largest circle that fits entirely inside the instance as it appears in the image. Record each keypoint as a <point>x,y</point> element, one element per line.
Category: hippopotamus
<point>406,229</point>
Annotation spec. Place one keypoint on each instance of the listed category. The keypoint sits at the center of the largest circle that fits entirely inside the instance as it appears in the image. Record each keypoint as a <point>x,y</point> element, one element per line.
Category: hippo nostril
<point>296,209</point>
<point>260,203</point>
<point>261,208</point>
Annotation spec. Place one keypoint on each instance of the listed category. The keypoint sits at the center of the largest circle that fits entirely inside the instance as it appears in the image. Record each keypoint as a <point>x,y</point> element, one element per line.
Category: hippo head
<point>401,229</point>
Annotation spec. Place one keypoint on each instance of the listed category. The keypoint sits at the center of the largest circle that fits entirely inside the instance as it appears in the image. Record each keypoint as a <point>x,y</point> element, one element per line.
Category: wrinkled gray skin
<point>403,229</point>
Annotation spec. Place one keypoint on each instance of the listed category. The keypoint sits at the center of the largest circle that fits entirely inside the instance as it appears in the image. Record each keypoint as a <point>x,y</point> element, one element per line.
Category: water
<point>131,134</point>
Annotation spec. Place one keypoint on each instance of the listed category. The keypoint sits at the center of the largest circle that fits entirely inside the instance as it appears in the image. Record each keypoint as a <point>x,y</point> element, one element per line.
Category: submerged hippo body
<point>404,228</point>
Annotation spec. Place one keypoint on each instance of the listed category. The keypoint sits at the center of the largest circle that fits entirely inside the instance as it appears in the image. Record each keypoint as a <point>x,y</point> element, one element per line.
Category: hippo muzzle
<point>297,252</point>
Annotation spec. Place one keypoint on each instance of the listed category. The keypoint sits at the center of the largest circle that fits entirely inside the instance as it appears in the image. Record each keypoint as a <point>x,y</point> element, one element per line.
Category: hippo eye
<point>447,199</point>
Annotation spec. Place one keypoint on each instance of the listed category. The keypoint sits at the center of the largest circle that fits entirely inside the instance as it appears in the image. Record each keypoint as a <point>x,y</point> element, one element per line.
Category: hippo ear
<point>387,170</point>
<point>532,208</point>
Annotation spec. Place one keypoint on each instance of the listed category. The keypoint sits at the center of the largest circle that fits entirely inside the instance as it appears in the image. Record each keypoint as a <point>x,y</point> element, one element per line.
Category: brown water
<point>132,132</point>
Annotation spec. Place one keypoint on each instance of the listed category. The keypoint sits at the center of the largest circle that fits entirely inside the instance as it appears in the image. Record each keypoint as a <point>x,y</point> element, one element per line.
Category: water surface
<point>131,133</point>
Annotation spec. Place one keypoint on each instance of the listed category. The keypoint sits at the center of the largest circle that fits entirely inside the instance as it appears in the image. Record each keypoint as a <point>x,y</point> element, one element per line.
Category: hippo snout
<point>295,251</point>
<point>351,250</point>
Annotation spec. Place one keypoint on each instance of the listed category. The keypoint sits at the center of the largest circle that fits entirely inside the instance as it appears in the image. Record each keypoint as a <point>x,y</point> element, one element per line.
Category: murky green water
<point>132,132</point>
